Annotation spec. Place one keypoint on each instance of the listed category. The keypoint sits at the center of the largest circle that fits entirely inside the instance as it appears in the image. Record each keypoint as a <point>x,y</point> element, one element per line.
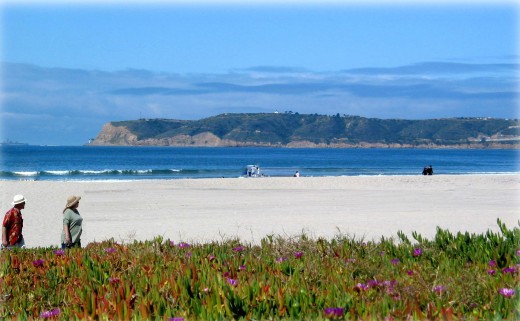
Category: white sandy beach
<point>201,210</point>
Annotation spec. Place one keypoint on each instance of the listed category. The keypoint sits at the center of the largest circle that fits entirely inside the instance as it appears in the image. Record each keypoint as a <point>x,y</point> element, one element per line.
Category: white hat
<point>18,199</point>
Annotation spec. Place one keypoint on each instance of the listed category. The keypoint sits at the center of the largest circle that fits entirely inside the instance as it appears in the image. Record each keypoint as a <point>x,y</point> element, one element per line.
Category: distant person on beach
<point>13,224</point>
<point>72,221</point>
<point>427,170</point>
<point>297,174</point>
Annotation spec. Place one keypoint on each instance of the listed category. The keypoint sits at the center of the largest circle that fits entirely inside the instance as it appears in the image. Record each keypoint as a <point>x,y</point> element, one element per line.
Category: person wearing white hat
<point>13,224</point>
<point>72,221</point>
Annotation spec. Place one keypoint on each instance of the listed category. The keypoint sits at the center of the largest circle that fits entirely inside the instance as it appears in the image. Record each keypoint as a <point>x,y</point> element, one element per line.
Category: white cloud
<point>64,99</point>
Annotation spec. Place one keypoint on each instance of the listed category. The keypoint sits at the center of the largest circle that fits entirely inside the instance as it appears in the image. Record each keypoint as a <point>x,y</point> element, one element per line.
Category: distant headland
<point>312,130</point>
<point>9,142</point>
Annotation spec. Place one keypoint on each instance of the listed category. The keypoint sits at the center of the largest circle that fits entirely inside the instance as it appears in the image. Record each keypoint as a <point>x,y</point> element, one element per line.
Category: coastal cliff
<point>308,131</point>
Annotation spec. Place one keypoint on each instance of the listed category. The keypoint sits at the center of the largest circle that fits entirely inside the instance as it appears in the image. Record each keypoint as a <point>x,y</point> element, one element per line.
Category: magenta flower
<point>242,268</point>
<point>281,259</point>
<point>361,287</point>
<point>505,292</point>
<point>508,270</point>
<point>233,282</point>
<point>211,257</point>
<point>59,252</point>
<point>372,283</point>
<point>382,253</point>
<point>492,263</point>
<point>110,250</point>
<point>409,272</point>
<point>518,252</point>
<point>389,286</point>
<point>188,255</point>
<point>491,272</point>
<point>298,255</point>
<point>439,289</point>
<point>38,263</point>
<point>395,261</point>
<point>238,249</point>
<point>172,243</point>
<point>50,314</point>
<point>176,319</point>
<point>417,252</point>
<point>114,280</point>
<point>183,245</point>
<point>334,312</point>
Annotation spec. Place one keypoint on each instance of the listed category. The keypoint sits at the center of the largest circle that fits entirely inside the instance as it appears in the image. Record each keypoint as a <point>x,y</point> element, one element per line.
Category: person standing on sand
<point>72,221</point>
<point>13,224</point>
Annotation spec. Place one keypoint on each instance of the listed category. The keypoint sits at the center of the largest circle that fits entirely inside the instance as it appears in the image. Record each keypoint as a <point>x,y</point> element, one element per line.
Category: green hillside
<point>284,128</point>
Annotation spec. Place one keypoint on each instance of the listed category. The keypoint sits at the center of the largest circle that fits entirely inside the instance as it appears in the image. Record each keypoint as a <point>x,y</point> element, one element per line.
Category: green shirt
<point>73,220</point>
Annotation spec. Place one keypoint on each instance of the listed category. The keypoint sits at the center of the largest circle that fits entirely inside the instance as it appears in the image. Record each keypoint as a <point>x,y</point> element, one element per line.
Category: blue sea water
<point>133,163</point>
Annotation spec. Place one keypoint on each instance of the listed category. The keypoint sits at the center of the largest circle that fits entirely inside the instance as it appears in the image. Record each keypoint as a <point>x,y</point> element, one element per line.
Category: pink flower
<point>334,312</point>
<point>59,252</point>
<point>183,245</point>
<point>114,280</point>
<point>38,263</point>
<point>238,249</point>
<point>395,261</point>
<point>50,314</point>
<point>439,289</point>
<point>505,292</point>
<point>409,272</point>
<point>298,255</point>
<point>372,283</point>
<point>492,263</point>
<point>361,287</point>
<point>389,286</point>
<point>233,282</point>
<point>508,270</point>
<point>110,250</point>
<point>491,272</point>
<point>417,252</point>
<point>281,259</point>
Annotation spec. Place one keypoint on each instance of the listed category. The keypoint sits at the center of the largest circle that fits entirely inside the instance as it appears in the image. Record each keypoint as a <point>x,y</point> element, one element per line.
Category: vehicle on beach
<point>252,171</point>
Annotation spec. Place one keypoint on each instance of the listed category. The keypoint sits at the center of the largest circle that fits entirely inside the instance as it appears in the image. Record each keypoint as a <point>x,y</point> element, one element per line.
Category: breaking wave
<point>104,173</point>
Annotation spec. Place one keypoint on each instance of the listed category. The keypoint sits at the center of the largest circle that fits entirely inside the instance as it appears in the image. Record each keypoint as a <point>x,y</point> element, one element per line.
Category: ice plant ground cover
<point>298,278</point>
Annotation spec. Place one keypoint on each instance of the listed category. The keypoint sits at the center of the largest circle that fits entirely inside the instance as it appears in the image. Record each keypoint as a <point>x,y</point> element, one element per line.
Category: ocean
<point>134,163</point>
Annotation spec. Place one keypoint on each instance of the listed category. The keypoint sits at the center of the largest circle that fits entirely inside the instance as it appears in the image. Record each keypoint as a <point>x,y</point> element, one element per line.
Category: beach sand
<point>204,210</point>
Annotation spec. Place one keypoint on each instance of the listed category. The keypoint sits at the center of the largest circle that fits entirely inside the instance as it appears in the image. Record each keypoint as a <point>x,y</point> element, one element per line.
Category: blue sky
<point>68,69</point>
